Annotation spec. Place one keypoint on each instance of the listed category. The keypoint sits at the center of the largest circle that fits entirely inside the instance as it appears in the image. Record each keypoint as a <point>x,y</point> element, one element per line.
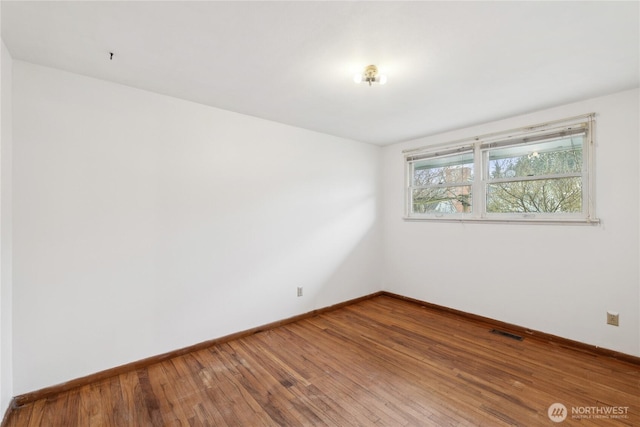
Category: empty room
<point>319,213</point>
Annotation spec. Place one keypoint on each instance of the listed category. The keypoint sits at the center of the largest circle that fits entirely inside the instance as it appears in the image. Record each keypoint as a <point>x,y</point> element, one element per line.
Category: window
<point>442,182</point>
<point>541,173</point>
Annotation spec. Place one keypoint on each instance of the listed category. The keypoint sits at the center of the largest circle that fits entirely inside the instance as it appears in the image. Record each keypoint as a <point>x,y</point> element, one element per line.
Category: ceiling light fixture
<point>370,75</point>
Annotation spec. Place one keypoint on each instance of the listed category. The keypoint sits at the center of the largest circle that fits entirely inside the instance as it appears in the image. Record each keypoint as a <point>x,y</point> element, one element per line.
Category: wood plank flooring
<point>379,362</point>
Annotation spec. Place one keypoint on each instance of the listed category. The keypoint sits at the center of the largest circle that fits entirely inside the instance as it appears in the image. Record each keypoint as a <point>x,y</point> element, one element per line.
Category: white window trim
<point>481,145</point>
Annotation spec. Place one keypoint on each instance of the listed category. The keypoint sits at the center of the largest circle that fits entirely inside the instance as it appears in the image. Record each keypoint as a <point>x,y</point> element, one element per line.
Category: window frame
<point>445,152</point>
<point>482,145</point>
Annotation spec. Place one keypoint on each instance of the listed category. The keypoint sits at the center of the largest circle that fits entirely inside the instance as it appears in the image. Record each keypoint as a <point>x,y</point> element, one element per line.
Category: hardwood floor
<point>379,362</point>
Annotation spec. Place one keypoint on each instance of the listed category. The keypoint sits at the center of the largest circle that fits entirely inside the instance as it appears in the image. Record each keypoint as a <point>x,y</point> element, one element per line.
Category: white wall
<point>6,368</point>
<point>556,279</point>
<point>144,224</point>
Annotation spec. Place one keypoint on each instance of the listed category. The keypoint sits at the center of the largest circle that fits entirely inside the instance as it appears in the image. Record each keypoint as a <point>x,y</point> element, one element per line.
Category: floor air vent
<point>506,334</point>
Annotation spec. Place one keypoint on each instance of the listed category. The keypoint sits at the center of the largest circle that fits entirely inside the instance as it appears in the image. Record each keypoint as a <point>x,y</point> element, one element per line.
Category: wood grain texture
<point>522,331</point>
<point>44,393</point>
<point>382,361</point>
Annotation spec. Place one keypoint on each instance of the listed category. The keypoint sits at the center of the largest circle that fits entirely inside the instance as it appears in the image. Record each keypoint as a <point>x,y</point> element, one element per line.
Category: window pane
<point>562,195</point>
<point>442,200</point>
<point>546,158</point>
<point>443,170</point>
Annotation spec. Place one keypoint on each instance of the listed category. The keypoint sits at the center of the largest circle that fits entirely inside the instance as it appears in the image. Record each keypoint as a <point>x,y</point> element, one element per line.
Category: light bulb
<point>357,78</point>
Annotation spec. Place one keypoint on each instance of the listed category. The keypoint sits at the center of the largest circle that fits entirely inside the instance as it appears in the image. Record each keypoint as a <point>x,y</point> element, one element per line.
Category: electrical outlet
<point>299,291</point>
<point>613,318</point>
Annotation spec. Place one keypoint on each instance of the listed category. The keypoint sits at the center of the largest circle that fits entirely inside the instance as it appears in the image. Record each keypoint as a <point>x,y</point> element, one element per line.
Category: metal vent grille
<point>506,334</point>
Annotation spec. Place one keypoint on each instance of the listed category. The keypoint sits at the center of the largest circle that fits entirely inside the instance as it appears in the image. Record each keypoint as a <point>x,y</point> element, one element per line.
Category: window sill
<point>549,221</point>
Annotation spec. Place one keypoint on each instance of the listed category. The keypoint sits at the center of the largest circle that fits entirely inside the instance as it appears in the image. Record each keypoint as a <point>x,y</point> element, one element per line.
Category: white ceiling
<point>449,64</point>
